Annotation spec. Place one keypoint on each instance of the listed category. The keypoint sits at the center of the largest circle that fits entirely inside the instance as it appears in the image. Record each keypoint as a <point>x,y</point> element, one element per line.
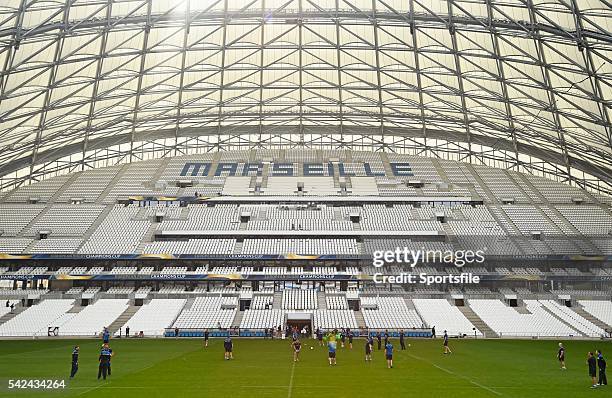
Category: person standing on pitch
<point>349,332</point>
<point>229,348</point>
<point>433,332</point>
<point>127,331</point>
<point>402,342</point>
<point>601,364</point>
<point>75,361</point>
<point>378,338</point>
<point>104,361</point>
<point>592,364</point>
<point>561,356</point>
<point>386,335</point>
<point>105,335</point>
<point>109,360</point>
<point>389,354</point>
<point>447,349</point>
<point>369,345</point>
<point>206,334</point>
<point>331,348</point>
<point>297,347</point>
<point>320,336</point>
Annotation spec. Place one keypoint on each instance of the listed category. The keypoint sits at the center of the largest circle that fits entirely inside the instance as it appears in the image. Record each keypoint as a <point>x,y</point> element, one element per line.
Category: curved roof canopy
<point>508,80</point>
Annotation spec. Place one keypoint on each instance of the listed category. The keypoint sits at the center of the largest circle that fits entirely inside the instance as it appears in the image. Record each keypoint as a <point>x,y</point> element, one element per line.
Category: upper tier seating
<point>89,185</point>
<point>217,218</point>
<point>119,233</point>
<point>22,292</point>
<point>63,246</point>
<point>589,220</point>
<point>14,245</point>
<point>43,190</point>
<point>14,218</point>
<point>192,246</point>
<point>300,246</point>
<point>529,219</point>
<point>396,218</point>
<point>66,220</point>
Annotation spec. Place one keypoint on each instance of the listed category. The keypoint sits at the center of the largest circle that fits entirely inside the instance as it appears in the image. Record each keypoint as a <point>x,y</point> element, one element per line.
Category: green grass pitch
<point>263,368</point>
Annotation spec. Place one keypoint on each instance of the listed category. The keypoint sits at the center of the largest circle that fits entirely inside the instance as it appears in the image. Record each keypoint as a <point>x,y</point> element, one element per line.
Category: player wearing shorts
<point>297,347</point>
<point>561,356</point>
<point>447,349</point>
<point>331,348</point>
<point>229,348</point>
<point>206,334</point>
<point>389,354</point>
<point>349,332</point>
<point>320,336</point>
<point>368,349</point>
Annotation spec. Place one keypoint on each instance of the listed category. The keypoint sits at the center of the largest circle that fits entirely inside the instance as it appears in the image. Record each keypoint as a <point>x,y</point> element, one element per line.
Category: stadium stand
<point>602,310</point>
<point>442,315</point>
<point>207,312</point>
<point>254,226</point>
<point>260,319</point>
<point>508,321</point>
<point>93,318</point>
<point>154,317</point>
<point>35,320</point>
<point>389,312</point>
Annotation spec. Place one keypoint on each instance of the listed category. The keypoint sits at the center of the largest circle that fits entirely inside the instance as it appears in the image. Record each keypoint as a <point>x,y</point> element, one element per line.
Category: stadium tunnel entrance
<point>299,321</point>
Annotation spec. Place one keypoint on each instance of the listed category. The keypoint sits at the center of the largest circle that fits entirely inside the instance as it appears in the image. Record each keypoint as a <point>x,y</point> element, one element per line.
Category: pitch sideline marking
<point>458,375</point>
<point>291,380</point>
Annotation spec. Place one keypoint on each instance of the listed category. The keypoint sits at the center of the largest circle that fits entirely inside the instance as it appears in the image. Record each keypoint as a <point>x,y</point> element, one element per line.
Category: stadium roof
<point>523,84</point>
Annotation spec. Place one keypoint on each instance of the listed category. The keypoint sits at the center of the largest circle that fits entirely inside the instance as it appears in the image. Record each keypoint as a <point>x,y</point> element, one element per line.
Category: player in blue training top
<point>331,347</point>
<point>389,354</point>
<point>105,335</point>
<point>104,361</point>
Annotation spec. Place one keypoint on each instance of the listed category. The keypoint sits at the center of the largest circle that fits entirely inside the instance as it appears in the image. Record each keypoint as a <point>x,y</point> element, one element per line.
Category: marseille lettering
<point>291,169</point>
